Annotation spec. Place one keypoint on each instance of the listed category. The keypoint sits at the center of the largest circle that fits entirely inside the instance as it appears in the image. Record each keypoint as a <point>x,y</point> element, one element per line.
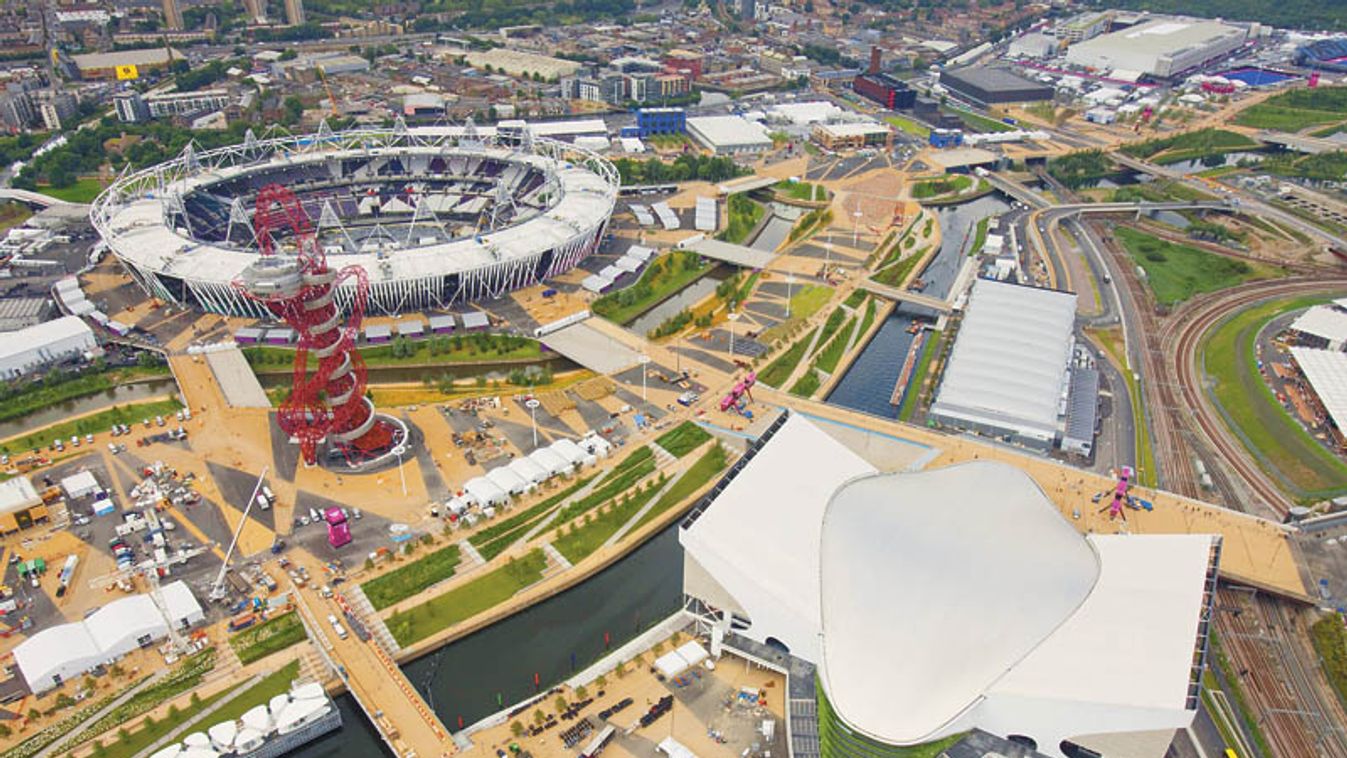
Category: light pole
<point>856,230</point>
<point>532,405</point>
<point>645,360</point>
<point>398,451</point>
<point>733,317</point>
<point>790,284</point>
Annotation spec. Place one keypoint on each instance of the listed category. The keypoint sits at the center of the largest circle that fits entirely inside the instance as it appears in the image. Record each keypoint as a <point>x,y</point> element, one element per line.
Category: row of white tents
<point>525,473</point>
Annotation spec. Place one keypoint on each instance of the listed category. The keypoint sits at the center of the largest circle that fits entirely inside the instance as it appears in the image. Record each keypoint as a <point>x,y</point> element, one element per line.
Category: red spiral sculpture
<point>327,402</point>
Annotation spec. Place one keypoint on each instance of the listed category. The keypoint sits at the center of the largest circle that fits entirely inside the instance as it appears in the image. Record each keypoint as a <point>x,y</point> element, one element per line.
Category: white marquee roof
<point>1323,321</point>
<point>17,494</point>
<point>1010,358</point>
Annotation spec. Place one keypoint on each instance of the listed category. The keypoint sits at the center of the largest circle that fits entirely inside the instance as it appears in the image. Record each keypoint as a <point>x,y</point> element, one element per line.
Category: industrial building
<point>29,349</point>
<point>20,505</point>
<point>851,136</point>
<point>1326,372</point>
<point>105,65</point>
<point>1008,375</point>
<point>650,121</point>
<point>1164,48</point>
<point>521,63</point>
<point>934,603</point>
<point>729,135</point>
<point>1322,326</point>
<point>993,85</point>
<point>58,654</point>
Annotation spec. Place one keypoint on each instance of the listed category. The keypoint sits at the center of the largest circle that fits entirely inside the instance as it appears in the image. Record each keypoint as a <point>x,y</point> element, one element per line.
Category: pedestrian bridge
<point>890,292</point>
<point>31,198</point>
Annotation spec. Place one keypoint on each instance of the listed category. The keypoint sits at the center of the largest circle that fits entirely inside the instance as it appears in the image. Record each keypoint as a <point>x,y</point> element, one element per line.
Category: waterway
<point>685,298</point>
<point>773,233</point>
<point>868,383</point>
<point>119,395</point>
<point>554,639</point>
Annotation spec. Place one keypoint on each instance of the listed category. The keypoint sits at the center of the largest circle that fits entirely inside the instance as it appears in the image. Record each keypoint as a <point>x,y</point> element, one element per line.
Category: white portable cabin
<point>572,453</point>
<point>509,481</point>
<point>456,505</point>
<point>550,460</point>
<point>529,469</point>
<point>485,492</point>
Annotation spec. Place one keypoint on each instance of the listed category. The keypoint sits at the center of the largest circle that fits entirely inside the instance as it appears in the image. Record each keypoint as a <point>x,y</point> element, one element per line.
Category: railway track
<point>1182,342</point>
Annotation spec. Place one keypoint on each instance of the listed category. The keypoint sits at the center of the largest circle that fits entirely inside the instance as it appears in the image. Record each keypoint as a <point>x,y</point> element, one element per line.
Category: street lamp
<point>733,317</point>
<point>645,360</point>
<point>398,451</point>
<point>790,284</point>
<point>856,230</point>
<point>532,405</point>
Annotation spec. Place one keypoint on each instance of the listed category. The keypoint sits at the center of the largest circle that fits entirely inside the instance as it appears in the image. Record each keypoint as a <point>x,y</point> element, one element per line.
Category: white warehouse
<point>29,349</point>
<point>1164,48</point>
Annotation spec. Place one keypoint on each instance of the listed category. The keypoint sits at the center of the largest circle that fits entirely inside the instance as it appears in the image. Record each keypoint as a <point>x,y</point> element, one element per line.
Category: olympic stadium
<point>1324,54</point>
<point>434,215</point>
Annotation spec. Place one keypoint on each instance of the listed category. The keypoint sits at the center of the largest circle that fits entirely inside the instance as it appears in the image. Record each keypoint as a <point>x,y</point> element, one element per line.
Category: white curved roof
<point>550,460</point>
<point>257,718</point>
<point>172,751</point>
<point>137,232</point>
<point>983,544</point>
<point>529,469</point>
<point>222,735</point>
<point>485,490</point>
<point>569,450</point>
<point>309,691</point>
<point>508,480</point>
<point>1009,361</point>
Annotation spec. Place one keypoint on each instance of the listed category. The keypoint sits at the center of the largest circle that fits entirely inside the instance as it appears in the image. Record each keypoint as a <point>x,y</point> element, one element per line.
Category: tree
<point>539,717</point>
<point>602,681</point>
<point>581,693</point>
<point>64,701</point>
<point>292,110</point>
<point>560,704</point>
<point>516,728</point>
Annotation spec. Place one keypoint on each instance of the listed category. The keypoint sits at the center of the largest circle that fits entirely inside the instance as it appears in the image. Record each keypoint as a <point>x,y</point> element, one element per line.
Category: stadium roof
<point>1324,322</point>
<point>760,538</point>
<point>1009,362</point>
<point>1326,371</point>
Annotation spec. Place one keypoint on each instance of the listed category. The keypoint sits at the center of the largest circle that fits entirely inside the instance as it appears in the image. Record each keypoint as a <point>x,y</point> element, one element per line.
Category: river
<point>464,678</point>
<point>119,395</point>
<point>868,383</point>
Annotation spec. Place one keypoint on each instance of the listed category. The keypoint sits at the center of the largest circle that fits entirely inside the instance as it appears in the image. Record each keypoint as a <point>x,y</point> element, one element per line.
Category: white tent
<point>597,445</point>
<point>572,452</point>
<point>530,470</point>
<point>80,485</point>
<point>674,749</point>
<point>485,492</point>
<point>509,481</point>
<point>550,460</point>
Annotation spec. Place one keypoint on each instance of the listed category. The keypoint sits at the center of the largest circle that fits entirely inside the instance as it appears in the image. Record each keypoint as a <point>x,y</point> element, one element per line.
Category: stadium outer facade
<point>522,234</point>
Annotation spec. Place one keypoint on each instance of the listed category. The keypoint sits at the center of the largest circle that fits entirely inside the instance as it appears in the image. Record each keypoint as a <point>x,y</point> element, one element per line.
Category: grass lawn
<point>801,191</point>
<point>807,384</point>
<point>1190,145</point>
<point>578,542</point>
<point>1177,272</point>
<point>706,468</point>
<point>1297,109</point>
<point>831,326</point>
<point>82,191</point>
<point>982,123</point>
<point>271,636</point>
<point>96,423</point>
<point>804,302</point>
<point>436,350</point>
<point>405,581</point>
<point>493,540</point>
<point>664,276</point>
<point>855,299</point>
<point>908,125</point>
<point>945,185</point>
<point>869,318</point>
<point>636,467</point>
<point>742,216</point>
<point>683,439</point>
<point>464,602</point>
<point>780,369</point>
<point>980,238</point>
<point>258,694</point>
<point>829,356</point>
<point>184,677</point>
<point>895,275</point>
<point>1279,443</point>
<point>1330,642</point>
<point>928,353</point>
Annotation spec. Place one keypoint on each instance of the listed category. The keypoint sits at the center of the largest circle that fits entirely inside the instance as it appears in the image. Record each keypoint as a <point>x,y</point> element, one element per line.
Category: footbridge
<point>897,294</point>
<point>31,198</point>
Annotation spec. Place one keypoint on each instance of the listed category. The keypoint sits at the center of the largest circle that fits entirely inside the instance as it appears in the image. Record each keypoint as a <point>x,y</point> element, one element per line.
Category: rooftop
<point>990,78</point>
<point>1326,371</point>
<point>1162,36</point>
<point>729,130</point>
<point>1322,321</point>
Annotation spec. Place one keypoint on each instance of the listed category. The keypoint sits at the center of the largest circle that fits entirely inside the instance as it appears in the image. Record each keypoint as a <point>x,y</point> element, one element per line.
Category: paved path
<point>189,723</point>
<point>105,710</point>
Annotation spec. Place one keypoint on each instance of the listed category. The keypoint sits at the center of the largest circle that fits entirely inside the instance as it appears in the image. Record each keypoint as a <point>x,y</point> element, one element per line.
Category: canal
<point>119,395</point>
<point>685,298</point>
<point>555,638</point>
<point>868,383</point>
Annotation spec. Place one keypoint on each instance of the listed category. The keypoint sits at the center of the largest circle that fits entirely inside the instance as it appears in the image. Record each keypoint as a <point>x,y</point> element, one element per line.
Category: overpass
<point>890,292</point>
<point>31,198</point>
<point>1302,143</point>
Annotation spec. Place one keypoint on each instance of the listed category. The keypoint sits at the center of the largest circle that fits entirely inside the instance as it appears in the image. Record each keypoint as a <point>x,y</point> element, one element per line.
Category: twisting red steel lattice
<point>329,401</point>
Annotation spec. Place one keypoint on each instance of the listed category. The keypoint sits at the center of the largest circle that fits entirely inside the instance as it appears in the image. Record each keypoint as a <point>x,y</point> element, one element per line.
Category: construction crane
<point>331,101</point>
<point>217,588</point>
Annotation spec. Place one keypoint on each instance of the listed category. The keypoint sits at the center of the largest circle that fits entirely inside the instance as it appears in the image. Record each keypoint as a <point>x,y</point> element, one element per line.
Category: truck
<point>336,626</point>
<point>242,621</point>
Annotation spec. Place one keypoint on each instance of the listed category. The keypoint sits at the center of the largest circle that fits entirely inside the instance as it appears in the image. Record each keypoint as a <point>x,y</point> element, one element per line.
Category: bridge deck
<point>906,296</point>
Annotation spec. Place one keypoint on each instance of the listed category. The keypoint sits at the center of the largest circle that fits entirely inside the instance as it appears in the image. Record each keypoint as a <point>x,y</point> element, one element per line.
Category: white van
<point>336,626</point>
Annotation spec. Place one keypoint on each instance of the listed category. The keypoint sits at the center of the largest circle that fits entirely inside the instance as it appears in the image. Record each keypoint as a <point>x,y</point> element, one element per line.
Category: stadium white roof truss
<point>525,233</point>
